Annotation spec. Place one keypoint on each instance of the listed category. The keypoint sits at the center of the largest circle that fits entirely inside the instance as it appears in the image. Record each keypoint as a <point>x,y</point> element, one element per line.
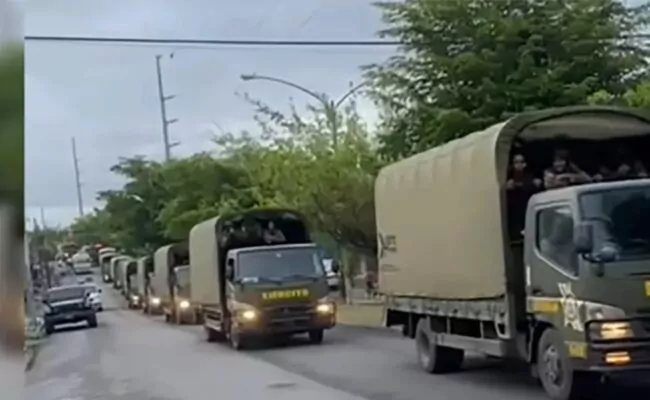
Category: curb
<point>31,354</point>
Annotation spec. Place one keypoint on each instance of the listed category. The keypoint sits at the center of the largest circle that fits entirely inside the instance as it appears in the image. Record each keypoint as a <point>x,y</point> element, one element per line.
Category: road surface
<point>134,357</point>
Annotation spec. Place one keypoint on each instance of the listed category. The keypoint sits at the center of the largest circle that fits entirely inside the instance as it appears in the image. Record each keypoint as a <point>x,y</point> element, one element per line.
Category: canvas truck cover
<point>204,261</point>
<point>114,270</point>
<point>122,267</point>
<point>141,274</point>
<point>160,278</point>
<point>441,215</point>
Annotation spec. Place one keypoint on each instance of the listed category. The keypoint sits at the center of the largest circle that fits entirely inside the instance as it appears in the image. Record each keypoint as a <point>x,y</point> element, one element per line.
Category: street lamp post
<point>329,106</point>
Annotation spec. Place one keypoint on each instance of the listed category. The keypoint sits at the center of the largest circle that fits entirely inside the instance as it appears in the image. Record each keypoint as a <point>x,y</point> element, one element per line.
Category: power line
<point>218,42</point>
<point>267,43</point>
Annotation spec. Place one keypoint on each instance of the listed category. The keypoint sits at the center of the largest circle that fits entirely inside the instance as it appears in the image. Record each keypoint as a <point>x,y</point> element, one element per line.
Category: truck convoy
<point>571,296</point>
<point>171,266</point>
<point>248,282</point>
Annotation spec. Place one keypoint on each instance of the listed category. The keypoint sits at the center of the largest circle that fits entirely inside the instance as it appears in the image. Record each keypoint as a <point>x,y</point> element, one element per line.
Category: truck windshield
<point>621,217</point>
<point>279,264</point>
<point>63,294</point>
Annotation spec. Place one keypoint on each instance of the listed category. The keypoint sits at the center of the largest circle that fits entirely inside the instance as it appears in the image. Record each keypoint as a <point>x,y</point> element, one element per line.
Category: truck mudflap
<point>617,346</point>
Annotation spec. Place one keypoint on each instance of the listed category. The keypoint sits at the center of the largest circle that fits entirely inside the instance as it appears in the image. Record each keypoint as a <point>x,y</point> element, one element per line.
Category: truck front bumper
<point>618,356</point>
<point>272,323</point>
<point>69,317</point>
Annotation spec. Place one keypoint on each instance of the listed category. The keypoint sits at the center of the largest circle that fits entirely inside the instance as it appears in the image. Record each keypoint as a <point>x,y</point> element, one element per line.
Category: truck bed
<point>482,310</point>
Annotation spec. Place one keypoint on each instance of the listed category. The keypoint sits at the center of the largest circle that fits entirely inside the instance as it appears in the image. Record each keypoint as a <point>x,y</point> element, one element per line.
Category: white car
<point>333,278</point>
<point>95,296</point>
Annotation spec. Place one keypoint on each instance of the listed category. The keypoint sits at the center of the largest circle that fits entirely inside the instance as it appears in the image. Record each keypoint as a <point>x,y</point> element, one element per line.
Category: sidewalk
<point>362,312</point>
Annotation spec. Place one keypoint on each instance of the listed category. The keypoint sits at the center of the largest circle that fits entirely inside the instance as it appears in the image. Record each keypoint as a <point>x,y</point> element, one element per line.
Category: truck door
<point>553,279</point>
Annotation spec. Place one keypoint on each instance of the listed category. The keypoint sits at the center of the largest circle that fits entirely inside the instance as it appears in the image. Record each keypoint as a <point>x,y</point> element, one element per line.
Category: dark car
<point>68,305</point>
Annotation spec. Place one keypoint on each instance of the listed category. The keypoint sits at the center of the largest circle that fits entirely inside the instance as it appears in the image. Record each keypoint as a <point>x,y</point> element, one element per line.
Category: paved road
<point>119,361</point>
<point>130,357</point>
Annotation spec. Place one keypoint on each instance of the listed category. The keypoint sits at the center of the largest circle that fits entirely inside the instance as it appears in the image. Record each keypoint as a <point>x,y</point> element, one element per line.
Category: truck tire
<point>555,369</point>
<point>49,328</point>
<point>92,321</point>
<point>316,336</point>
<point>433,358</point>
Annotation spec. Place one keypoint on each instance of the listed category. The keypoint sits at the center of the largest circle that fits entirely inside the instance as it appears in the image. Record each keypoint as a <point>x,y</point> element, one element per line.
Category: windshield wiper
<point>303,276</point>
<point>255,279</point>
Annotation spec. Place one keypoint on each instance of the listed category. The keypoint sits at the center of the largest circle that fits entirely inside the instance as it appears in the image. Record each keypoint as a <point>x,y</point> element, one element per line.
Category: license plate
<point>647,288</point>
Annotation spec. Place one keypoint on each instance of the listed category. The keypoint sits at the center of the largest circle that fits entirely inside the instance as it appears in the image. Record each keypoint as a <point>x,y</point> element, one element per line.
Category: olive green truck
<point>569,294</point>
<point>170,283</point>
<point>246,289</point>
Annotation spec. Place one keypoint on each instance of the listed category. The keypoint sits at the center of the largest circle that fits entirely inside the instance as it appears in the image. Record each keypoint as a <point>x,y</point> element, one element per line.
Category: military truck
<point>571,297</point>
<point>143,283</point>
<point>128,274</point>
<point>168,260</point>
<point>247,289</point>
<point>118,265</point>
<point>104,258</point>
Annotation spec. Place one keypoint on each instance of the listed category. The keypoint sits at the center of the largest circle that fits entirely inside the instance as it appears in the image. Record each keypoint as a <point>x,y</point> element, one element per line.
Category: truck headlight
<point>325,308</point>
<point>155,301</point>
<point>612,330</point>
<point>248,315</point>
<point>184,304</point>
<point>135,299</point>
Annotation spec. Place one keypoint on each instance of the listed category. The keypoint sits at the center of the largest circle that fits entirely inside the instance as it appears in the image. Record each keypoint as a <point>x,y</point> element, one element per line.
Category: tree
<point>467,64</point>
<point>200,187</point>
<point>131,213</point>
<point>637,97</point>
<point>294,164</point>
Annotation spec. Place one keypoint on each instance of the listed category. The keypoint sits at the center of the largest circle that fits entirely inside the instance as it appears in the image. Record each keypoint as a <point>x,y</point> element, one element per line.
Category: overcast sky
<point>105,95</point>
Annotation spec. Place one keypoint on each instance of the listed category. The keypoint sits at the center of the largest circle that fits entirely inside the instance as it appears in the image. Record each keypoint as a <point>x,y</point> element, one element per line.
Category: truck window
<point>555,238</point>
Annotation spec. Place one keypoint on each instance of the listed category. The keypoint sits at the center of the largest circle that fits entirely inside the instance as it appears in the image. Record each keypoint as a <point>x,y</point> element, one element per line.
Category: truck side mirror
<point>583,238</point>
<point>336,268</point>
<point>230,269</point>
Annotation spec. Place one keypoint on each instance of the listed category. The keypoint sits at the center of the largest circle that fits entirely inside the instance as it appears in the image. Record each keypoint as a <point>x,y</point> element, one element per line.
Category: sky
<point>106,95</point>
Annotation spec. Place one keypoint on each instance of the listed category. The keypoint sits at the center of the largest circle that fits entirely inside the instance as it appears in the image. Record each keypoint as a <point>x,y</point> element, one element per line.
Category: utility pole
<point>163,109</point>
<point>80,203</point>
<point>43,217</point>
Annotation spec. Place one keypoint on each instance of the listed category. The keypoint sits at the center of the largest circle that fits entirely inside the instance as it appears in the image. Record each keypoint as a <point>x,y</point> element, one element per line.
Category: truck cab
<point>587,263</point>
<point>260,287</point>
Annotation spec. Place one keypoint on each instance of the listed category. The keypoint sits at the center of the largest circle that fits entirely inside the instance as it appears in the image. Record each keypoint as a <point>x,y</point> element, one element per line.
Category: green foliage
<point>11,129</point>
<point>467,64</point>
<point>637,97</point>
<point>296,165</point>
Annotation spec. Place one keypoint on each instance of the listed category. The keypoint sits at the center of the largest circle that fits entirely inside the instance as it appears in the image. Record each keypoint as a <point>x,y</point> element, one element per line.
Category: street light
<point>331,107</point>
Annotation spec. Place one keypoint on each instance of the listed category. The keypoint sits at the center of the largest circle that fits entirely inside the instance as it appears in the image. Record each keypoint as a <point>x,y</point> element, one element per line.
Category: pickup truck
<point>68,305</point>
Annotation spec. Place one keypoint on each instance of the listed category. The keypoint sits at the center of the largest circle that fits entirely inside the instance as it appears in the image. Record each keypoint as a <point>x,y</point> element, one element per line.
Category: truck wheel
<point>555,369</point>
<point>92,322</point>
<point>316,337</point>
<point>168,318</point>
<point>433,358</point>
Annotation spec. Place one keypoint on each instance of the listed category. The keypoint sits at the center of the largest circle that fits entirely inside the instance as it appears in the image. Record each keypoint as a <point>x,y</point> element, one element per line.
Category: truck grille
<point>287,312</point>
<point>67,308</point>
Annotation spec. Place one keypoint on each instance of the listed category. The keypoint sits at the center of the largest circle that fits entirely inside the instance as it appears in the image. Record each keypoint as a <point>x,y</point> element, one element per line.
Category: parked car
<point>95,296</point>
<point>333,277</point>
<point>67,305</point>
